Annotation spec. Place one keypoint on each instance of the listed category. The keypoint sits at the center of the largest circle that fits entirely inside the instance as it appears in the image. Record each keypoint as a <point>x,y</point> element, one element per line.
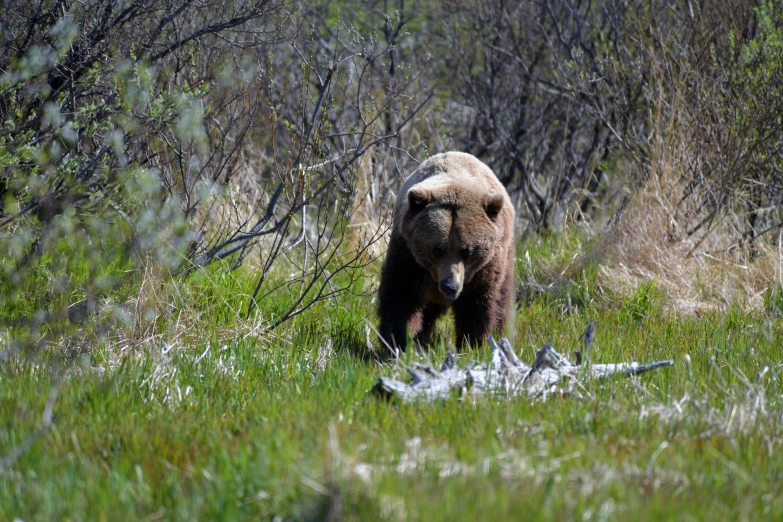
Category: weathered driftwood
<point>505,375</point>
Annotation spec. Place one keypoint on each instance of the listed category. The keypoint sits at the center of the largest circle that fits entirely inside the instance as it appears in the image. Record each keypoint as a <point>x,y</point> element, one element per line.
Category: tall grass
<point>207,418</point>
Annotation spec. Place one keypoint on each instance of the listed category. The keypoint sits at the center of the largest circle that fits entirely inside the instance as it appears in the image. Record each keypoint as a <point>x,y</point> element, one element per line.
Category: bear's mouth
<point>450,296</point>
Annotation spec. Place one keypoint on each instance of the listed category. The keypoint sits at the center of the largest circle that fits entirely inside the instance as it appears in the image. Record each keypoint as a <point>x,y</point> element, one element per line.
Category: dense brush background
<point>194,203</point>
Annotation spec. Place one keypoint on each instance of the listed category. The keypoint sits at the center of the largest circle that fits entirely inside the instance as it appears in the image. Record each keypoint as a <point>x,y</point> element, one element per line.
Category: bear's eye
<point>465,252</point>
<point>438,252</point>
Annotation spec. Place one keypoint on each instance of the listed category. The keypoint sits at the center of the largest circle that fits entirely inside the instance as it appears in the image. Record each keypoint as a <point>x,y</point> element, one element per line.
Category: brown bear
<point>451,246</point>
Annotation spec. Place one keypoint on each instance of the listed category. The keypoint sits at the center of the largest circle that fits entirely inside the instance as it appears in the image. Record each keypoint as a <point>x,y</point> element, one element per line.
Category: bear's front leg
<point>400,295</point>
<point>475,315</point>
<point>429,316</point>
<point>505,299</point>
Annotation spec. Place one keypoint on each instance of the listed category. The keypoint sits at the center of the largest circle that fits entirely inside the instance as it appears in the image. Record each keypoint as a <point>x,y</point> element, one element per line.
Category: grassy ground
<point>209,426</point>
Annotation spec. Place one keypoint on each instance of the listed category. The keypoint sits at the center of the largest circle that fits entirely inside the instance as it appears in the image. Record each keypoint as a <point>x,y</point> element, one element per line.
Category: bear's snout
<point>449,289</point>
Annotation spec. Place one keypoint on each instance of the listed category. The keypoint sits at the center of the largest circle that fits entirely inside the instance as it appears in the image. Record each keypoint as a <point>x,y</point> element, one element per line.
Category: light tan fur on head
<point>451,218</point>
<point>450,169</point>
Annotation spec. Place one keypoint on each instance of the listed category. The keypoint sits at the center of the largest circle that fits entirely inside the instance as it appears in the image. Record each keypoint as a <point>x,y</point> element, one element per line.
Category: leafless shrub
<point>327,203</point>
<point>521,70</point>
<point>708,171</point>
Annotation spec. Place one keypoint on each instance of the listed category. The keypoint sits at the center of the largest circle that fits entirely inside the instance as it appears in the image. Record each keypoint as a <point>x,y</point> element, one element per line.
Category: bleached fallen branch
<point>507,376</point>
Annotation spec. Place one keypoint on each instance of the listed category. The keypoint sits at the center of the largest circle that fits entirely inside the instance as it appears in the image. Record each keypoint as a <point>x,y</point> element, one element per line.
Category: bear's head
<point>452,232</point>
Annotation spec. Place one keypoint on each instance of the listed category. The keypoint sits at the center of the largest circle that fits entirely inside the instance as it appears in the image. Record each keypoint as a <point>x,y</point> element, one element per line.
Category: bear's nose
<point>449,289</point>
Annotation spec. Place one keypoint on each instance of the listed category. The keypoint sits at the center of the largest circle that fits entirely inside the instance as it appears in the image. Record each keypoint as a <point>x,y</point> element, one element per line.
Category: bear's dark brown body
<point>452,246</point>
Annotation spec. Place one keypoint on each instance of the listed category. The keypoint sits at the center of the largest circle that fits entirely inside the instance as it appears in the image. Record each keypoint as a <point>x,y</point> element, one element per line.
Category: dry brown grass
<point>654,239</point>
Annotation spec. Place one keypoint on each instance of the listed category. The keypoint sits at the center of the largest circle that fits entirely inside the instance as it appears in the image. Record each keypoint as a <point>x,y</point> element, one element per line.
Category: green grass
<point>286,430</point>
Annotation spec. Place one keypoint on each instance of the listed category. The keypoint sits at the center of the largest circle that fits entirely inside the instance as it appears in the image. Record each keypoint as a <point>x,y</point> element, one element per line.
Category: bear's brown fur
<point>451,246</point>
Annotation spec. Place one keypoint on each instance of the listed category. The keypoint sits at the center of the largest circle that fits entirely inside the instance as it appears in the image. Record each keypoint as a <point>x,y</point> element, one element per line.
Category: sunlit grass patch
<point>284,426</point>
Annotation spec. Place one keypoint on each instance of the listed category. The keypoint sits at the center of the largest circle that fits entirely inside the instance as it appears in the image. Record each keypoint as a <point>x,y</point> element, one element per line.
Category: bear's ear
<point>493,203</point>
<point>418,199</point>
